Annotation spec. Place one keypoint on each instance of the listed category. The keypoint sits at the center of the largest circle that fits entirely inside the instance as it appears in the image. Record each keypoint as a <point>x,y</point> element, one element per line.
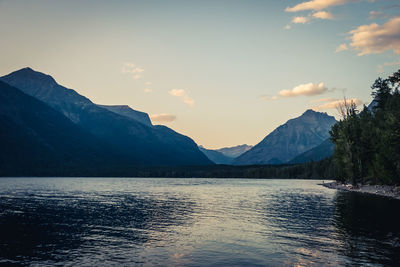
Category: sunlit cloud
<point>375,39</point>
<point>288,27</point>
<point>130,68</point>
<point>147,83</point>
<point>308,89</point>
<point>322,15</point>
<point>341,48</point>
<point>316,5</point>
<point>182,94</point>
<point>381,67</point>
<point>148,90</point>
<point>302,20</point>
<point>163,118</point>
<point>268,97</point>
<point>326,99</point>
<point>335,103</point>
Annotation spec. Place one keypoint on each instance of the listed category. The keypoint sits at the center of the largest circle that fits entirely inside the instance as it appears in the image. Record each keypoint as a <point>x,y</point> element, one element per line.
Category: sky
<point>224,72</point>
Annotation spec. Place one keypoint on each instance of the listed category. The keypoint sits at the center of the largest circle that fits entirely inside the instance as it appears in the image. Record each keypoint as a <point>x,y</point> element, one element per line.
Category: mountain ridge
<point>290,139</point>
<point>142,144</point>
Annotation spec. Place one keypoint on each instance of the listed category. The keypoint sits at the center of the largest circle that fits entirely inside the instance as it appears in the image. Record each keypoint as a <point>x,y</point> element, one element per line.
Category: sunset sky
<point>222,72</point>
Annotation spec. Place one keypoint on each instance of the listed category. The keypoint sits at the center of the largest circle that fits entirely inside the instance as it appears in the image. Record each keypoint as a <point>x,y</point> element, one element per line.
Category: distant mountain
<point>127,111</point>
<point>290,139</point>
<point>35,138</point>
<point>234,151</point>
<point>216,156</point>
<point>141,144</point>
<point>372,105</point>
<point>320,152</point>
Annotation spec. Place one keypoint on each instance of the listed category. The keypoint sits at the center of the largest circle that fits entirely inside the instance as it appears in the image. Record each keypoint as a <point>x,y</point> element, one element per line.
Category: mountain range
<point>225,155</point>
<point>48,127</point>
<point>34,136</point>
<point>129,133</point>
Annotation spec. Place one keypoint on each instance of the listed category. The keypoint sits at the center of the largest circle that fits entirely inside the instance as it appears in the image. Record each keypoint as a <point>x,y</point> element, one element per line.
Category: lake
<point>193,222</point>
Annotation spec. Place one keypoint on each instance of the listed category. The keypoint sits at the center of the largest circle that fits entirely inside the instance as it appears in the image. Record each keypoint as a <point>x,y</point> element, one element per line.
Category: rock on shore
<point>381,190</point>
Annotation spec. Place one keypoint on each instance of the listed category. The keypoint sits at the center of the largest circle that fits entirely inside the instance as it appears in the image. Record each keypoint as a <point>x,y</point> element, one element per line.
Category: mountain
<point>234,151</point>
<point>372,105</point>
<point>140,143</point>
<point>35,138</point>
<point>290,139</point>
<point>320,152</point>
<point>216,156</point>
<point>127,111</point>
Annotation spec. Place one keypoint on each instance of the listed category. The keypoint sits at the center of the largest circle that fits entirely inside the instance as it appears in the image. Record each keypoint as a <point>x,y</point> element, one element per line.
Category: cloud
<point>387,64</point>
<point>288,27</point>
<point>341,48</point>
<point>147,83</point>
<point>375,39</point>
<point>322,15</point>
<point>301,20</point>
<point>308,89</point>
<point>268,97</point>
<point>182,94</point>
<point>162,118</point>
<point>376,14</point>
<point>148,90</point>
<point>334,104</point>
<point>326,99</point>
<point>130,68</point>
<point>316,5</point>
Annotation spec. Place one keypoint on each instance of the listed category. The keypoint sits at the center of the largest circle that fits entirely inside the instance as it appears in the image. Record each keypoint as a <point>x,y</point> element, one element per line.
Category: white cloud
<point>148,90</point>
<point>288,27</point>
<point>334,104</point>
<point>147,83</point>
<point>130,68</point>
<point>182,94</point>
<point>162,118</point>
<point>375,39</point>
<point>322,15</point>
<point>308,89</point>
<point>341,48</point>
<point>301,20</point>
<point>316,5</point>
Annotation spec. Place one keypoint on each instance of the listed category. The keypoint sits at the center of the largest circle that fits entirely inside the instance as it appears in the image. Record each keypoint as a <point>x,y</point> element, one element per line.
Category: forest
<point>367,142</point>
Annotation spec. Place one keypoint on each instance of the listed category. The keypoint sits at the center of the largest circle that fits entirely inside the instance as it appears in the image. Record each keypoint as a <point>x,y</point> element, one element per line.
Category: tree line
<point>368,141</point>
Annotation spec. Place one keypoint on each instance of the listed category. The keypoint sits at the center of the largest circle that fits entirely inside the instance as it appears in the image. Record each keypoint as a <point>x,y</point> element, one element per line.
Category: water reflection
<point>193,222</point>
<point>369,227</point>
<point>49,228</point>
<point>301,223</point>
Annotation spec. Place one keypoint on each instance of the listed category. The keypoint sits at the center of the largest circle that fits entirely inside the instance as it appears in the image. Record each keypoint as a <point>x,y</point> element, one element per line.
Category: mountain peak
<point>26,69</point>
<point>28,73</point>
<point>290,139</point>
<point>310,112</point>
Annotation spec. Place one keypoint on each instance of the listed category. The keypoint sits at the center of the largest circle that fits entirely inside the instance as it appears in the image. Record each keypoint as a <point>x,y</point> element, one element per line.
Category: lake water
<point>193,222</point>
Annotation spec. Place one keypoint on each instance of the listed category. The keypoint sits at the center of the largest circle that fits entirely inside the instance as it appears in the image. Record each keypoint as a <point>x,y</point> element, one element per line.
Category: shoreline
<point>379,190</point>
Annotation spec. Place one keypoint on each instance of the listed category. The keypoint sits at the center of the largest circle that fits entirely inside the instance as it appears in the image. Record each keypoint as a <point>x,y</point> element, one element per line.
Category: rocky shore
<point>381,190</point>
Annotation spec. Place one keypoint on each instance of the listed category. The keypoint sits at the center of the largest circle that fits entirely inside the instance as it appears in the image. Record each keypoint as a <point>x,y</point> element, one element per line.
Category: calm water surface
<point>193,222</point>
